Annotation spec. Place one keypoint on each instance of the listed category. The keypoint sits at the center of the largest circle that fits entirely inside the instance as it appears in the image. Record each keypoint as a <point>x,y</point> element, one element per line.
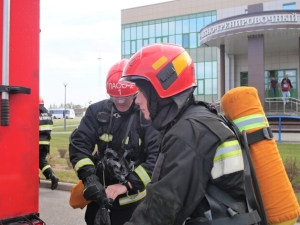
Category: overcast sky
<point>74,35</point>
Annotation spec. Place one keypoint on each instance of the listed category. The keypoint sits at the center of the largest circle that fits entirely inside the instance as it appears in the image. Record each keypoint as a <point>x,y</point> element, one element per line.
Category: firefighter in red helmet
<point>198,152</point>
<point>45,128</point>
<point>126,150</point>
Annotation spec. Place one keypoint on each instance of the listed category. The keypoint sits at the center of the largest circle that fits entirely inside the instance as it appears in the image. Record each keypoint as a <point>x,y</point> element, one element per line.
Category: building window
<point>246,11</point>
<point>289,6</point>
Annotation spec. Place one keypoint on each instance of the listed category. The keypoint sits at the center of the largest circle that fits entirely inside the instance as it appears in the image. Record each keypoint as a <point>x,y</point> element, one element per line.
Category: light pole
<point>65,84</point>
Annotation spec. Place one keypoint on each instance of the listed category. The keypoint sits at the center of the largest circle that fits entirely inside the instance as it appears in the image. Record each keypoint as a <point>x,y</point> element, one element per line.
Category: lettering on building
<point>250,21</point>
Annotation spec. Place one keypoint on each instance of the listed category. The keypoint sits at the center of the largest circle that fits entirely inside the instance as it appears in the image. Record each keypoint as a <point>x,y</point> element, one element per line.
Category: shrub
<point>291,168</point>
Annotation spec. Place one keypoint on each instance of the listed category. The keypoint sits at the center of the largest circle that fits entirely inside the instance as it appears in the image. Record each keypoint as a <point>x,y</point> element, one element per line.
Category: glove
<point>93,190</point>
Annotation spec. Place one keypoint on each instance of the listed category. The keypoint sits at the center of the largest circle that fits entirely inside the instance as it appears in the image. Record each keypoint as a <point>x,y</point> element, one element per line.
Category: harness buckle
<point>267,133</point>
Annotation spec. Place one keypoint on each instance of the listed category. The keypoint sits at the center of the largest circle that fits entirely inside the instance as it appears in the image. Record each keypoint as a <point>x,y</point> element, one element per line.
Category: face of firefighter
<point>123,103</point>
<point>142,102</point>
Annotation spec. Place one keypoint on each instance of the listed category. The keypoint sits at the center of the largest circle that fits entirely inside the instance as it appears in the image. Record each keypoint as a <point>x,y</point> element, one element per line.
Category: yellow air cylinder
<point>243,107</point>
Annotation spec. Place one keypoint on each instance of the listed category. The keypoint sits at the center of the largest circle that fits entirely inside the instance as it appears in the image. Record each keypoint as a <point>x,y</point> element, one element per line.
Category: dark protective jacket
<point>45,127</point>
<point>192,155</point>
<point>142,139</point>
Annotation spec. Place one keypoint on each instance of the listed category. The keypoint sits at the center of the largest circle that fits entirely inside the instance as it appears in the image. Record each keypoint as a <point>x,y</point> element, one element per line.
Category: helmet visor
<point>122,100</point>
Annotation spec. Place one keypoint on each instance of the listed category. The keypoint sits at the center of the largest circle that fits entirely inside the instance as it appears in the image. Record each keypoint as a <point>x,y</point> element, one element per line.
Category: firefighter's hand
<point>93,190</point>
<point>113,191</point>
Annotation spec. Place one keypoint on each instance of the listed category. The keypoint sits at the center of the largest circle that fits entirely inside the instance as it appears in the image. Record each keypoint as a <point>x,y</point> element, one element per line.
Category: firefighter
<point>125,155</point>
<point>200,160</point>
<point>46,125</point>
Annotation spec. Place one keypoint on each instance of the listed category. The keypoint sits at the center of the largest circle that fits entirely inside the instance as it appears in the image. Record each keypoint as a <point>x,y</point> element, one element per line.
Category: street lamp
<point>65,84</point>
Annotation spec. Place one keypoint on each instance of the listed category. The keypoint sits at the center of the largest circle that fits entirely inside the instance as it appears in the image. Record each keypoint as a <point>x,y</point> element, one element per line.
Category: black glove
<point>93,190</point>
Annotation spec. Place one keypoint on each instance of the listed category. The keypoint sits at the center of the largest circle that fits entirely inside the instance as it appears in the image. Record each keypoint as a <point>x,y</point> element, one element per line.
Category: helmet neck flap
<point>164,110</point>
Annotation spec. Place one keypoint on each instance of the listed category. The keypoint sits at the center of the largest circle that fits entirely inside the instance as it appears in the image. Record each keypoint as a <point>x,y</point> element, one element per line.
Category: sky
<point>79,41</point>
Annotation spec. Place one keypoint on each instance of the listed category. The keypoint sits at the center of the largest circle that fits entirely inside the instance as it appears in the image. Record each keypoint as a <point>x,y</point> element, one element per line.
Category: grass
<point>66,174</point>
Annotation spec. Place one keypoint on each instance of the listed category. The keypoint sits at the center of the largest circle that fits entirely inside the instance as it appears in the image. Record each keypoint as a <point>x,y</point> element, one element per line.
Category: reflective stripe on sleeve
<point>132,198</point>
<point>46,167</point>
<point>251,121</point>
<point>228,159</point>
<point>44,142</point>
<point>83,162</point>
<point>127,140</point>
<point>143,175</point>
<point>106,137</point>
<point>46,127</point>
<point>140,142</point>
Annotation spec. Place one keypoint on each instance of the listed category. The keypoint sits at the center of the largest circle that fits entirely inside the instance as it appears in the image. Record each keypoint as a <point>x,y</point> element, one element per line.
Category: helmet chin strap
<point>153,103</point>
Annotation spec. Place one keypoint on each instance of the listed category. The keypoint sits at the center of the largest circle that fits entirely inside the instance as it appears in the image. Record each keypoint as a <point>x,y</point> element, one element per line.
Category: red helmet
<point>41,100</point>
<point>168,67</point>
<point>115,88</point>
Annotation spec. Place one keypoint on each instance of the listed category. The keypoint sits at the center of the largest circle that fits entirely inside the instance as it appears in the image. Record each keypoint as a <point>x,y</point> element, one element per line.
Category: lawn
<point>61,164</point>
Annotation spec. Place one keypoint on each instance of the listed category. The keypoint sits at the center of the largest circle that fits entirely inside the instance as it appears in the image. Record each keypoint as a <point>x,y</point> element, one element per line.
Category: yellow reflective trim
<point>46,167</point>
<point>228,159</point>
<point>83,162</point>
<point>126,140</point>
<point>44,142</point>
<point>132,198</point>
<point>156,65</point>
<point>253,116</point>
<point>45,127</point>
<point>181,62</point>
<point>143,175</point>
<point>251,122</point>
<point>106,137</point>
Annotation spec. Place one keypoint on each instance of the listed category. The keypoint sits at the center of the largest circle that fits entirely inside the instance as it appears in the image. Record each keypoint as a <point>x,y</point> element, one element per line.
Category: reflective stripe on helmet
<point>45,127</point>
<point>228,159</point>
<point>44,142</point>
<point>106,137</point>
<point>143,175</point>
<point>132,198</point>
<point>181,62</point>
<point>83,162</point>
<point>250,122</point>
<point>45,167</point>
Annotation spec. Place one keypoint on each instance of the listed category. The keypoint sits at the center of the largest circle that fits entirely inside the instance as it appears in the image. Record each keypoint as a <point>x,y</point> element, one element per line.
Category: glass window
<point>185,41</point>
<point>158,29</point>
<point>208,86</point>
<point>165,29</point>
<point>200,87</point>
<point>193,25</point>
<point>122,33</point>
<point>178,27</point>
<point>158,40</point>
<point>193,40</point>
<point>123,48</point>
<point>215,86</point>
<point>214,69</point>
<point>145,31</point>
<point>133,46</point>
<point>289,6</point>
<point>171,27</point>
<point>139,32</point>
<point>179,39</point>
<point>208,70</point>
<point>186,26</point>
<point>151,40</point>
<point>172,39</point>
<point>207,20</point>
<point>200,73</point>
<point>133,33</point>
<point>152,30</point>
<point>146,42</point>
<point>139,44</point>
<point>200,23</point>
<point>127,47</point>
<point>127,34</point>
<point>165,39</point>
